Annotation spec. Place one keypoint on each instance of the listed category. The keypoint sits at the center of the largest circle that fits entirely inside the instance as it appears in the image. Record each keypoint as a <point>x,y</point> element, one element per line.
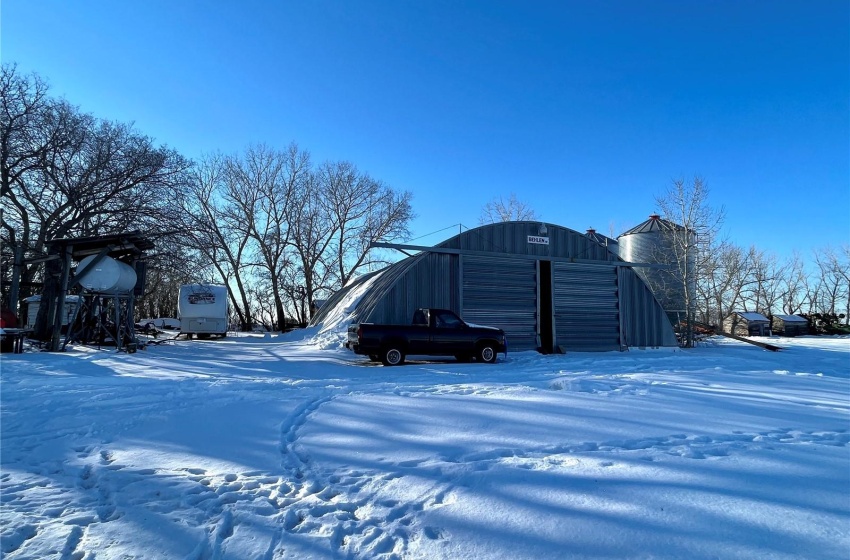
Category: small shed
<point>34,302</point>
<point>746,323</point>
<point>789,325</point>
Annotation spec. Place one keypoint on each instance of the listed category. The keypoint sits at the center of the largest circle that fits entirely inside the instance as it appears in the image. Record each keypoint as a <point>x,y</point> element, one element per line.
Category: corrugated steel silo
<point>659,241</point>
<point>611,244</point>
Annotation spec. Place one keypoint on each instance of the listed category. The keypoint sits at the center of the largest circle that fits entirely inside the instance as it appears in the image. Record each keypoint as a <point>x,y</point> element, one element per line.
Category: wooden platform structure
<point>128,247</point>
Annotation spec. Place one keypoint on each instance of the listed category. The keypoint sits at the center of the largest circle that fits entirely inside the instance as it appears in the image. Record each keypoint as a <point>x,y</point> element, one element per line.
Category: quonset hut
<point>548,287</point>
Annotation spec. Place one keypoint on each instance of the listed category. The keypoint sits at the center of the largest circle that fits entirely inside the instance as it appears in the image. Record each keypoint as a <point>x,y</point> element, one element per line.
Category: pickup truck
<point>433,332</point>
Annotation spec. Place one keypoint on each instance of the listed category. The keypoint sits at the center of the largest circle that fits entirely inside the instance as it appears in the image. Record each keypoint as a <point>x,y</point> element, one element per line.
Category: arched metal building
<point>548,287</point>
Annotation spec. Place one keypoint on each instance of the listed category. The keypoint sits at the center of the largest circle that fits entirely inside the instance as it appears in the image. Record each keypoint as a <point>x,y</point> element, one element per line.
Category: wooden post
<point>60,300</point>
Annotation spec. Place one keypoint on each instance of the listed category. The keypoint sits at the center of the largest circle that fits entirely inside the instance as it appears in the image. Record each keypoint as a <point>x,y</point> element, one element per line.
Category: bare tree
<point>268,220</point>
<point>313,234</point>
<point>363,211</point>
<point>765,293</point>
<point>842,268</point>
<point>341,213</point>
<point>66,173</point>
<point>725,275</point>
<point>167,268</point>
<point>794,285</point>
<point>296,295</point>
<point>686,205</point>
<point>264,183</point>
<point>33,126</point>
<point>213,227</point>
<point>500,210</point>
<point>833,281</point>
<point>264,308</point>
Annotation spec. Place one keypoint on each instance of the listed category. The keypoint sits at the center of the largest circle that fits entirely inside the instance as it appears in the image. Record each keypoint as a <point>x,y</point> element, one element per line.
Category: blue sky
<point>586,110</point>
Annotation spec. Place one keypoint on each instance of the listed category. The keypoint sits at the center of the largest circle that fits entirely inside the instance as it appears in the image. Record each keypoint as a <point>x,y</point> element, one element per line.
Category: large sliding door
<point>502,293</point>
<point>586,307</point>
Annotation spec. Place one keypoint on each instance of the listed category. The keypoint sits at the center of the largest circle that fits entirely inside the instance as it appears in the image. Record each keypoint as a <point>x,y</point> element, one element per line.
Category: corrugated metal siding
<point>431,280</point>
<point>500,292</point>
<point>586,307</point>
<point>380,289</point>
<point>644,322</point>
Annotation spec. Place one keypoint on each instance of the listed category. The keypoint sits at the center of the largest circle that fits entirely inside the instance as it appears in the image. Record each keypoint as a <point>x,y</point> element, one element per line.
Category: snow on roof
<point>37,298</point>
<point>333,330</point>
<point>750,316</point>
<point>792,318</point>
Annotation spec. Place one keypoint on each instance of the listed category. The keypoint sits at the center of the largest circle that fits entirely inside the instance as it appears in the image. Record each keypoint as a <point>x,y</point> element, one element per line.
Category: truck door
<point>419,334</point>
<point>447,334</point>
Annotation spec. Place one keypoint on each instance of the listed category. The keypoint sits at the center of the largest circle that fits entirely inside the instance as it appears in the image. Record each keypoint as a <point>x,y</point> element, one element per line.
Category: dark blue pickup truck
<point>433,332</point>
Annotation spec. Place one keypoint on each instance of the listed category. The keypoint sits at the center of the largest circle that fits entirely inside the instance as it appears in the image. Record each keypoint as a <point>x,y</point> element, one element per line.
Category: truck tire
<point>487,353</point>
<point>392,356</point>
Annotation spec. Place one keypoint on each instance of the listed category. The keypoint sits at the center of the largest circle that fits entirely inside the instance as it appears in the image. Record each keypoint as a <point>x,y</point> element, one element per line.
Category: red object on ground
<point>8,319</point>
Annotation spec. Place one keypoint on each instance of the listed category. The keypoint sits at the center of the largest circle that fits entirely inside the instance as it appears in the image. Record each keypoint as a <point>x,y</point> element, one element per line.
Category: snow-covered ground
<point>274,447</point>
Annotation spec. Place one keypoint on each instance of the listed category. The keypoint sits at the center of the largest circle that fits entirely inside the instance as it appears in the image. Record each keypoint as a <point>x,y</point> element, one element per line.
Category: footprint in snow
<point>432,533</point>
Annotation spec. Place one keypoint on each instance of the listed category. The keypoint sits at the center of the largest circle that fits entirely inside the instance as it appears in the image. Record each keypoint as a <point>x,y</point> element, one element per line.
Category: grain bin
<point>108,276</point>
<point>607,242</point>
<point>655,241</point>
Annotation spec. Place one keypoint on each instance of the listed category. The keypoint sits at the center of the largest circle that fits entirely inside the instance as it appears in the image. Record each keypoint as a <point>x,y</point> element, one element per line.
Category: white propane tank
<point>108,276</point>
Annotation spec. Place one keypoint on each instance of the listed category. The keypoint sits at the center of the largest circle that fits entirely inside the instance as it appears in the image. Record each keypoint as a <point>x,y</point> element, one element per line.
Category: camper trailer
<point>203,310</point>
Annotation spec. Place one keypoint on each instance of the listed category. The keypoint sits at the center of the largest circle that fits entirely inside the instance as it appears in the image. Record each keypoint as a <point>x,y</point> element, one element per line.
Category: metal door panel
<point>586,307</point>
<point>502,293</point>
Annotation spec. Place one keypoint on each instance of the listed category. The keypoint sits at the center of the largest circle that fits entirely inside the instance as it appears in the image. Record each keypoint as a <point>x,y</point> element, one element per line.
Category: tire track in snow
<point>702,446</point>
<point>295,459</point>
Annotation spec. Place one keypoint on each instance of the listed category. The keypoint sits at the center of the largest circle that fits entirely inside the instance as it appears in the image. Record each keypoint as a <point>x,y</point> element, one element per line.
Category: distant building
<point>744,323</point>
<point>789,325</point>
